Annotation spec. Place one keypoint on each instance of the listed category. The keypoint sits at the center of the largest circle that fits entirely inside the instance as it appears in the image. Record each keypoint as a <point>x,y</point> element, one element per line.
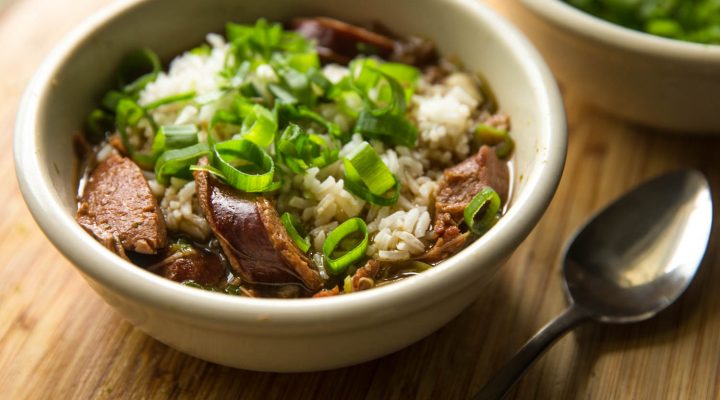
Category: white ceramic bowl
<point>275,334</point>
<point>647,79</point>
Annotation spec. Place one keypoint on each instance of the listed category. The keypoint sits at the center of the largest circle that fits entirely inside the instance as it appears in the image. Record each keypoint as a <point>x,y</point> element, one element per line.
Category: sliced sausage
<point>252,237</point>
<point>340,42</point>
<point>119,209</point>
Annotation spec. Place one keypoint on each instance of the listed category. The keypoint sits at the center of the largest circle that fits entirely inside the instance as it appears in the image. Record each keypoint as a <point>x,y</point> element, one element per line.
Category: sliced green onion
<point>138,69</point>
<point>282,95</point>
<point>318,78</point>
<point>245,166</point>
<point>98,124</point>
<point>347,284</point>
<point>302,62</point>
<point>505,149</point>
<point>287,113</point>
<point>259,125</point>
<point>358,188</point>
<point>365,161</point>
<point>389,128</point>
<point>297,84</point>
<point>405,74</point>
<point>202,50</point>
<point>365,76</point>
<point>170,137</point>
<point>367,177</point>
<point>210,97</point>
<point>489,135</point>
<point>482,211</point>
<point>177,162</point>
<point>128,115</point>
<point>300,150</point>
<point>225,117</point>
<point>171,99</point>
<point>291,223</point>
<point>383,117</point>
<point>338,265</point>
<point>492,136</point>
<point>111,99</point>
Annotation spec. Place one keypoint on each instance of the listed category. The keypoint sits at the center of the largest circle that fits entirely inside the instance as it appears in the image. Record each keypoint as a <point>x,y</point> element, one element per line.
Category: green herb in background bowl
<point>687,20</point>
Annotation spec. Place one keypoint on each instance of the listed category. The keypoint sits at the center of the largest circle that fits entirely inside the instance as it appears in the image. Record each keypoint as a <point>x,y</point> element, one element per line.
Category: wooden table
<point>59,340</point>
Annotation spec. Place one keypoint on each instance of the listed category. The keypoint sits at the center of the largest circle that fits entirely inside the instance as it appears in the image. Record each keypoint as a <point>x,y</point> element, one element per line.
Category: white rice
<point>444,114</point>
<point>180,208</point>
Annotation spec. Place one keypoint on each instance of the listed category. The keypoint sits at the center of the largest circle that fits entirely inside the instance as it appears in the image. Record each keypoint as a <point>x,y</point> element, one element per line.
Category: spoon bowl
<point>628,263</point>
<point>638,255</point>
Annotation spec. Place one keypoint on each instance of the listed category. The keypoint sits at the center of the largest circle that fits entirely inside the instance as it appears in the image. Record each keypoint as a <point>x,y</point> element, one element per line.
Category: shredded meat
<point>252,237</point>
<point>118,208</point>
<point>328,292</point>
<point>458,186</point>
<point>462,182</point>
<point>366,275</point>
<point>452,241</point>
<point>200,265</point>
<point>415,51</point>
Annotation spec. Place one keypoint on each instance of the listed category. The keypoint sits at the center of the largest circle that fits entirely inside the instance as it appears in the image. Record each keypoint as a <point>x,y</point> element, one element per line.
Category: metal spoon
<point>629,262</point>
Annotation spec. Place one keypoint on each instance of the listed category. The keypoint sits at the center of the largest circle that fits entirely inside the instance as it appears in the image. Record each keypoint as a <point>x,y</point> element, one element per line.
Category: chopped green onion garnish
<point>505,148</point>
<point>383,114</point>
<point>202,50</point>
<point>407,75</point>
<point>347,284</point>
<point>365,76</point>
<point>259,125</point>
<point>171,99</point>
<point>482,211</point>
<point>99,123</point>
<point>491,136</point>
<point>300,150</point>
<point>138,69</point>
<point>291,223</point>
<point>245,166</point>
<point>338,265</point>
<point>225,117</point>
<point>170,137</point>
<point>358,188</point>
<point>318,78</point>
<point>287,113</point>
<point>389,128</point>
<point>128,115</point>
<point>282,95</point>
<point>177,162</point>
<point>302,62</point>
<point>297,84</point>
<point>367,176</point>
<point>111,99</point>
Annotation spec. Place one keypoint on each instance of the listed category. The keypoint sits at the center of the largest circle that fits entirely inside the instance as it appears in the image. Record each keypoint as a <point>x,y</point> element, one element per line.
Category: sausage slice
<point>252,237</point>
<point>118,208</point>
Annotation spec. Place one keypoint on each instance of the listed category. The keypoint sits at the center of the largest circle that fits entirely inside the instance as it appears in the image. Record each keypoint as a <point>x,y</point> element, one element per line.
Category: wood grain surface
<point>59,340</point>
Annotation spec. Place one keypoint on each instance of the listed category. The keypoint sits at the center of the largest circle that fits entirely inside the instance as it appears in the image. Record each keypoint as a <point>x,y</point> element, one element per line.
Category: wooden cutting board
<point>59,340</point>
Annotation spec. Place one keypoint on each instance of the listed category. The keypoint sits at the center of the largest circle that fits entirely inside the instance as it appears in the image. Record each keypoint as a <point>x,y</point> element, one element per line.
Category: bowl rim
<point>97,264</point>
<point>590,26</point>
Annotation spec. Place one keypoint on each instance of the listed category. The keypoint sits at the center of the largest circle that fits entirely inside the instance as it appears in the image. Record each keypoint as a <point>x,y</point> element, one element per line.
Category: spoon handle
<point>506,377</point>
